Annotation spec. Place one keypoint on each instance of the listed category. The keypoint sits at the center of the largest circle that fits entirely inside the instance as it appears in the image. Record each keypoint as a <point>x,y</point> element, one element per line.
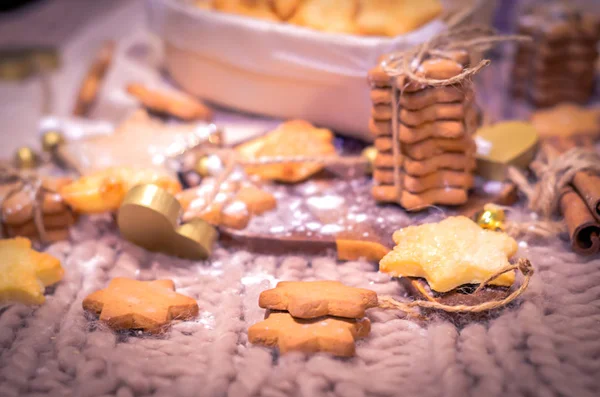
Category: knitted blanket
<point>547,344</point>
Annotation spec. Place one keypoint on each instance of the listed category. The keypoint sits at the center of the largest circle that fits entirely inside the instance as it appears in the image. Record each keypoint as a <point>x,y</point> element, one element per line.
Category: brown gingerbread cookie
<point>438,179</point>
<point>418,201</point>
<point>325,334</point>
<point>147,305</point>
<point>92,82</point>
<point>176,104</point>
<point>428,147</point>
<point>452,161</point>
<point>310,299</point>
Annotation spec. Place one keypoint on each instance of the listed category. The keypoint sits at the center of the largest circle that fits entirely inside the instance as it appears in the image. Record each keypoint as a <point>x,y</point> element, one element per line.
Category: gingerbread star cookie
<point>310,299</point>
<point>24,273</point>
<point>449,254</point>
<point>326,334</point>
<point>292,138</point>
<point>567,120</point>
<point>233,206</point>
<point>145,305</point>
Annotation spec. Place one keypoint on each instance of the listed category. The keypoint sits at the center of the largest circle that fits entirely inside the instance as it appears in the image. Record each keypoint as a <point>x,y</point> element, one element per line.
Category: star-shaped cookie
<point>326,334</point>
<point>24,273</point>
<point>451,253</point>
<point>104,190</point>
<point>292,138</point>
<point>567,120</point>
<point>146,305</point>
<point>311,299</point>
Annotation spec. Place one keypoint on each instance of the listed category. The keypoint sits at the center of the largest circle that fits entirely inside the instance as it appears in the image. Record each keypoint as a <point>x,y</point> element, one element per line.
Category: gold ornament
<point>51,140</point>
<point>370,153</point>
<point>491,218</point>
<point>202,166</point>
<point>26,158</point>
<point>149,218</point>
<point>208,165</point>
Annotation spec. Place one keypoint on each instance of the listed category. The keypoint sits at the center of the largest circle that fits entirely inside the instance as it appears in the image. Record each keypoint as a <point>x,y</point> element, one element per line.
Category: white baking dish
<point>274,69</point>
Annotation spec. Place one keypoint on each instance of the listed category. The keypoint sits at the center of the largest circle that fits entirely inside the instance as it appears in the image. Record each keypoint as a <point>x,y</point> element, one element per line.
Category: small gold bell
<point>370,153</point>
<point>208,165</point>
<point>26,158</point>
<point>491,218</point>
<point>51,140</point>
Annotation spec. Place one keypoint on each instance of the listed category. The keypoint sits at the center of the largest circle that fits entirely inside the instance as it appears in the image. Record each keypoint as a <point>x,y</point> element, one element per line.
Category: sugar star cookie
<point>24,273</point>
<point>310,299</point>
<point>146,305</point>
<point>449,254</point>
<point>292,138</point>
<point>326,334</point>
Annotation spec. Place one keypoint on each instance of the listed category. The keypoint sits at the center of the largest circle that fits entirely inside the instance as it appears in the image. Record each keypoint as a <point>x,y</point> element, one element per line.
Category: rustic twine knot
<point>523,265</point>
<point>470,38</point>
<point>37,191</point>
<point>554,173</point>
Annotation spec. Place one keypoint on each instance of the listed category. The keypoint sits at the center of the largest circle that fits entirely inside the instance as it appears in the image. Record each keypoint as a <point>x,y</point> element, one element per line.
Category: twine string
<point>404,65</point>
<point>523,265</point>
<point>554,173</point>
<point>37,193</point>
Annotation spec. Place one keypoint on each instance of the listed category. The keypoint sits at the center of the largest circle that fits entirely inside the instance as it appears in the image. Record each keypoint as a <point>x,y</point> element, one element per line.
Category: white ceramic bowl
<point>274,69</point>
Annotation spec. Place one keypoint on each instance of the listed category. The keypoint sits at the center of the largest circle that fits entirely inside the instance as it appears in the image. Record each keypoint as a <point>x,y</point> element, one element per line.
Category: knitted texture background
<point>546,345</point>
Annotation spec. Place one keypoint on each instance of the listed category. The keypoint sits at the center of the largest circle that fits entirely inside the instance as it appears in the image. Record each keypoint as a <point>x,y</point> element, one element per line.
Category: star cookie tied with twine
<point>423,119</point>
<point>443,261</point>
<point>32,208</point>
<point>150,306</point>
<point>25,273</point>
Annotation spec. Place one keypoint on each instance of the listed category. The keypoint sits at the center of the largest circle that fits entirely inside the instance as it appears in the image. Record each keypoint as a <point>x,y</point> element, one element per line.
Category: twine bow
<point>30,184</point>
<point>523,265</point>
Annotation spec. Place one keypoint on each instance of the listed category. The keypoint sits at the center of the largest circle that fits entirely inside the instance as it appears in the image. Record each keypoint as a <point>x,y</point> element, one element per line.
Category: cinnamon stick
<point>585,183</point>
<point>584,231</point>
<point>588,186</point>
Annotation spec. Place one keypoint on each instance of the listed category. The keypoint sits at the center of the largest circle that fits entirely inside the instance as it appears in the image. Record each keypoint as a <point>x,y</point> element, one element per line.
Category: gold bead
<point>491,218</point>
<point>202,167</point>
<point>26,158</point>
<point>370,153</point>
<point>210,165</point>
<point>51,140</point>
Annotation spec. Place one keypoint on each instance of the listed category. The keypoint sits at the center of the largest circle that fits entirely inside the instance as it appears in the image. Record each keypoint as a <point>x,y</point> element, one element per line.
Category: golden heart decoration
<point>149,217</point>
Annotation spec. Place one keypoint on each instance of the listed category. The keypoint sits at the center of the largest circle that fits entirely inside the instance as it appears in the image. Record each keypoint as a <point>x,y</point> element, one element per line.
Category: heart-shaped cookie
<point>149,217</point>
<point>510,143</point>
